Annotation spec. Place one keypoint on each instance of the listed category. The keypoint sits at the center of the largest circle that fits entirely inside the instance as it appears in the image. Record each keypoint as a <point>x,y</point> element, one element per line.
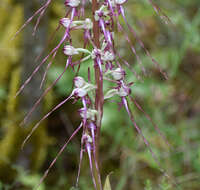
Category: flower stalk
<point>99,98</point>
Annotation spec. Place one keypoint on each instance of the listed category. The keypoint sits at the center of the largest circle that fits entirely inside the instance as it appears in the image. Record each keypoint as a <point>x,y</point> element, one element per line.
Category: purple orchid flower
<point>98,34</point>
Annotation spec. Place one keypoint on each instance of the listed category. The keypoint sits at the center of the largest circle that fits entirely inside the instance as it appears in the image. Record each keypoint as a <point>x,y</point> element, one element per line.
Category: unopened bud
<point>70,50</point>
<point>88,24</point>
<point>95,53</point>
<point>120,2</point>
<point>66,22</point>
<point>90,113</point>
<point>87,138</point>
<point>80,92</point>
<point>72,3</point>
<point>82,87</point>
<point>79,82</point>
<point>118,74</point>
<point>107,56</point>
<point>124,91</point>
<point>103,11</point>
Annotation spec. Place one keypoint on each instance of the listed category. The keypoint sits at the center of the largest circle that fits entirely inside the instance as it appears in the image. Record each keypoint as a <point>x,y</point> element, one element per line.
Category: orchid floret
<point>70,50</point>
<point>107,56</point>
<point>87,138</point>
<point>124,91</point>
<point>82,87</point>
<point>120,2</point>
<point>90,113</point>
<point>118,74</point>
<point>66,23</point>
<point>79,92</point>
<point>87,24</point>
<point>103,11</point>
<point>72,3</point>
<point>79,82</point>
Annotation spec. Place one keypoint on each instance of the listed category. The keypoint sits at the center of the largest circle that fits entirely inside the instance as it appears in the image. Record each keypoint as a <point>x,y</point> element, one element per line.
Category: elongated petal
<point>37,125</point>
<point>59,153</point>
<point>31,18</point>
<point>45,59</point>
<point>149,118</point>
<point>45,92</point>
<point>46,70</point>
<point>142,44</point>
<point>160,13</point>
<point>132,47</point>
<point>125,103</point>
<point>79,167</point>
<point>40,16</point>
<point>88,147</point>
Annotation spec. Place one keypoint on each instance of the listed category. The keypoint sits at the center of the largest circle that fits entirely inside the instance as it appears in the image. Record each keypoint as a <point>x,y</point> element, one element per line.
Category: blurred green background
<point>173,104</point>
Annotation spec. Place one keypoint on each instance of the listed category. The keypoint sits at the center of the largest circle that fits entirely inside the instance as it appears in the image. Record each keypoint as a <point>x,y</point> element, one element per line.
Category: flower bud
<point>70,50</point>
<point>107,56</point>
<point>82,87</point>
<point>103,11</point>
<point>88,24</point>
<point>95,53</point>
<point>72,3</point>
<point>118,74</point>
<point>120,2</point>
<point>80,92</point>
<point>66,22</point>
<point>124,91</point>
<point>79,82</point>
<point>90,113</point>
<point>87,138</point>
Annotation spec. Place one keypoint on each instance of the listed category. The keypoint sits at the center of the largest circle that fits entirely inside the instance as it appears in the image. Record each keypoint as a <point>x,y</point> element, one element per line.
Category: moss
<point>34,153</point>
<point>14,86</point>
<point>10,144</point>
<point>9,50</point>
<point>40,142</point>
<point>10,148</point>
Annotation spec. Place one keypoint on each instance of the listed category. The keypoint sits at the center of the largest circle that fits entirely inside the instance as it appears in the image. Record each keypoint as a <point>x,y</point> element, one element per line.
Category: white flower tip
<point>72,3</point>
<point>89,114</point>
<point>107,56</point>
<point>79,82</point>
<point>124,91</point>
<point>65,22</point>
<point>88,24</point>
<point>87,138</point>
<point>118,74</point>
<point>70,50</point>
<point>80,92</point>
<point>120,2</point>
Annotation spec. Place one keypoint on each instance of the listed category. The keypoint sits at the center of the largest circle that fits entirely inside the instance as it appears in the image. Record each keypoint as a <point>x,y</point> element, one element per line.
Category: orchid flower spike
<point>98,34</point>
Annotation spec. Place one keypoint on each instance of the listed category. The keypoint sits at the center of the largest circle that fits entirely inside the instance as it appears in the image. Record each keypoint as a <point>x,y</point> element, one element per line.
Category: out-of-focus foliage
<point>11,135</point>
<point>9,51</point>
<point>174,105</point>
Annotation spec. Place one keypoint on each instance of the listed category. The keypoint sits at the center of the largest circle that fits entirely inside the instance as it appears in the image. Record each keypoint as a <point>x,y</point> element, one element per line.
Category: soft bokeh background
<point>174,105</point>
